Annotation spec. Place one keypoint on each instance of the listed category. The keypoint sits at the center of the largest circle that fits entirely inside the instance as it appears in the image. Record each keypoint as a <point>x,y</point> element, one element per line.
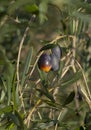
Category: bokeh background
<point>29,98</point>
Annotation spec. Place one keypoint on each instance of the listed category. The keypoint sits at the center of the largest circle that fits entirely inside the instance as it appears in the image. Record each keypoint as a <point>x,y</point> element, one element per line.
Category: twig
<point>86,98</point>
<point>20,48</point>
<point>87,88</point>
<point>35,64</point>
<point>2,22</point>
<point>19,53</point>
<point>18,58</point>
<point>61,115</point>
<point>28,119</point>
<point>57,38</point>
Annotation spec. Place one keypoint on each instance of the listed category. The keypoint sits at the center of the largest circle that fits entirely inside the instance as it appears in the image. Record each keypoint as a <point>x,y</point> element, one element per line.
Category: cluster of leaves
<point>30,98</point>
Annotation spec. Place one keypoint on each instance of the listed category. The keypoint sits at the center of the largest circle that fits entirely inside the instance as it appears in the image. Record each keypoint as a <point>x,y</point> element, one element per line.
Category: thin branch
<point>19,53</point>
<point>57,38</point>
<point>20,48</point>
<point>18,59</point>
<point>87,88</point>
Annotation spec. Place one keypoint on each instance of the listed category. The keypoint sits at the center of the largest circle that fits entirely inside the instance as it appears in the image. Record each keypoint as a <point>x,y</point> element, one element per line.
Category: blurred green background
<point>29,98</point>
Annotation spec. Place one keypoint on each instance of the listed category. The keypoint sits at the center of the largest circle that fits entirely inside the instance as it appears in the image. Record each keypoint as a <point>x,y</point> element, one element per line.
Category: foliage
<point>30,98</point>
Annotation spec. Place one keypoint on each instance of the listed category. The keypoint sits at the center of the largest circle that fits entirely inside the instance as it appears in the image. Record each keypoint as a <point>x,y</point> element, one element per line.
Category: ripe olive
<point>44,62</point>
<point>55,62</point>
<point>57,51</point>
<point>51,61</point>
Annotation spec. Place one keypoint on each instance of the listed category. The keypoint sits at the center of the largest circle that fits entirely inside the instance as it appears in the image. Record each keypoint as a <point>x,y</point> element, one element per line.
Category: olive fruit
<point>51,61</point>
<point>44,62</point>
<point>55,57</point>
<point>57,51</point>
<point>55,62</point>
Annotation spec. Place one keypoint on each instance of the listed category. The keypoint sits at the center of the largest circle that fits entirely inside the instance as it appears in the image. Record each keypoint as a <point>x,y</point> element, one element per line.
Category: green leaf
<point>32,8</point>
<point>43,6</point>
<point>72,79</point>
<point>61,68</point>
<point>14,96</point>
<point>47,124</point>
<point>14,118</point>
<point>43,75</point>
<point>45,92</point>
<point>49,95</point>
<point>44,82</point>
<point>26,66</point>
<point>20,119</point>
<point>52,104</point>
<point>6,109</point>
<point>7,79</point>
<point>87,120</point>
<point>69,99</point>
<point>83,17</point>
<point>17,4</point>
<point>46,47</point>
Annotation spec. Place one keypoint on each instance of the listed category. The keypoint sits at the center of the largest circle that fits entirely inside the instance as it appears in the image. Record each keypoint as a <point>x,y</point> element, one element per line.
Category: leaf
<point>46,47</point>
<point>50,96</point>
<point>43,6</point>
<point>69,99</point>
<point>83,17</point>
<point>74,78</point>
<point>31,8</point>
<point>6,109</point>
<point>61,68</point>
<point>52,104</point>
<point>43,75</point>
<point>81,128</point>
<point>14,118</point>
<point>47,124</point>
<point>87,121</point>
<point>8,73</point>
<point>61,3</point>
<point>26,66</point>
<point>14,96</point>
<point>2,96</point>
<point>17,4</point>
<point>47,94</point>
<point>44,81</point>
<point>20,119</point>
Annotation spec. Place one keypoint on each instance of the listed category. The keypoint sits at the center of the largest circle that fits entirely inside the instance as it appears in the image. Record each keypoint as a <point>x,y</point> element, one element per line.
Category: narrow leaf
<point>31,8</point>
<point>72,79</point>
<point>69,99</point>
<point>46,47</point>
<point>26,65</point>
<point>20,119</point>
<point>47,125</point>
<point>6,109</point>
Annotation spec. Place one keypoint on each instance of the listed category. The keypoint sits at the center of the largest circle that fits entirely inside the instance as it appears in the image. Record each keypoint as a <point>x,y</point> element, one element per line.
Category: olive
<point>57,51</point>
<point>51,61</point>
<point>55,62</point>
<point>44,62</point>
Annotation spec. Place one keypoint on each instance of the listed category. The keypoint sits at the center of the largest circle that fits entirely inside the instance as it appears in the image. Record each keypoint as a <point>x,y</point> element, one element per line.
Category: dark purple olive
<point>55,62</point>
<point>57,51</point>
<point>44,62</point>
